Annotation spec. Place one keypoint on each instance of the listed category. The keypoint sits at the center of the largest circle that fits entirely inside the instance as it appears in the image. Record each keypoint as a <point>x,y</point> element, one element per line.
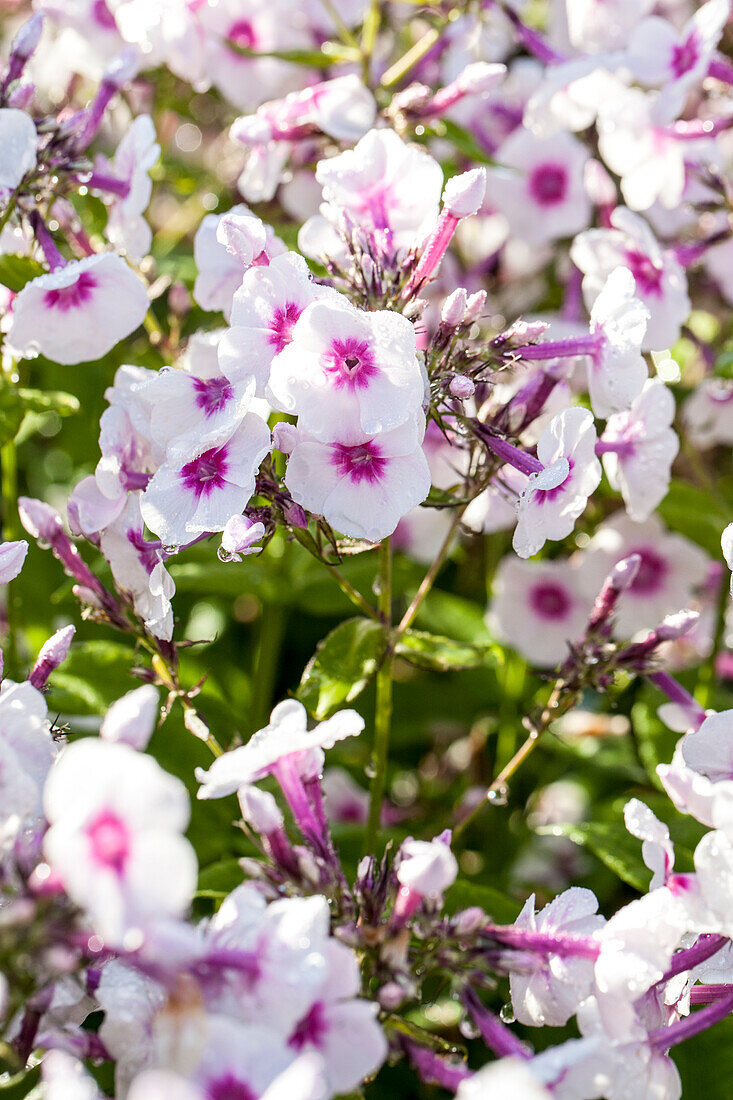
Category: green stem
<point>7,213</point>
<point>706,680</point>
<point>429,579</point>
<point>9,478</point>
<point>383,710</point>
<point>272,632</point>
<point>349,591</point>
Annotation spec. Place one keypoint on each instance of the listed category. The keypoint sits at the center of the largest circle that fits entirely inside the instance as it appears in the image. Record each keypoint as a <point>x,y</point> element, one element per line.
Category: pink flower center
<point>109,841</point>
<point>652,571</point>
<point>242,34</point>
<point>549,601</point>
<point>205,473</point>
<point>212,394</point>
<point>312,1029</point>
<point>548,184</point>
<point>647,275</point>
<point>71,297</point>
<point>350,363</point>
<point>229,1087</point>
<point>685,56</point>
<point>361,463</point>
<point>281,325</point>
<point>103,16</point>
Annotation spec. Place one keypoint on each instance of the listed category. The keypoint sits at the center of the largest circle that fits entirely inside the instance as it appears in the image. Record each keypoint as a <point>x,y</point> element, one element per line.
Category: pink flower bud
<point>462,387</point>
<point>123,68</point>
<point>675,626</point>
<point>28,37</point>
<point>284,437</point>
<point>12,556</point>
<point>624,572</point>
<point>480,77</point>
<point>464,194</point>
<point>131,719</point>
<point>39,519</point>
<point>475,306</point>
<point>454,308</point>
<point>51,655</point>
<point>260,810</point>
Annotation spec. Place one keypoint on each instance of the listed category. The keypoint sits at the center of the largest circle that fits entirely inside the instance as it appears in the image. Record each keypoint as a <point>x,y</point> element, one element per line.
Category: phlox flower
<point>503,1079</point>
<point>303,1079</point>
<point>131,719</point>
<point>658,53</point>
<point>78,312</point>
<point>340,1026</point>
<point>115,837</point>
<point>555,497</point>
<point>657,849</point>
<point>427,868</point>
<point>286,735</point>
<point>65,1077</point>
<point>137,567</point>
<point>222,259</point>
<point>699,780</point>
<point>18,141</point>
<point>27,751</point>
<point>618,320</point>
<point>265,309</point>
<point>346,369</point>
<point>639,447</point>
<point>597,25</point>
<point>661,283</point>
<point>362,484</point>
<point>540,187</point>
<point>388,188</point>
<point>196,493</point>
<point>135,155</point>
<point>547,991</point>
<point>672,569</point>
<point>708,414</point>
<point>538,608</point>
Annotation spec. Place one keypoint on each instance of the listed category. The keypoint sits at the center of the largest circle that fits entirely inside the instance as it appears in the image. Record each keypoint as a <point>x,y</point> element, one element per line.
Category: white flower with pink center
<point>539,608</point>
<point>137,567</point>
<point>672,570</point>
<point>594,26</point>
<point>115,838</point>
<point>639,447</point>
<point>661,283</point>
<point>232,25</point>
<point>540,187</point>
<point>266,307</point>
<point>340,1026</point>
<point>658,53</point>
<point>136,154</point>
<point>78,312</point>
<point>348,370</point>
<point>196,405</point>
<point>389,188</point>
<point>185,499</point>
<point>699,780</point>
<point>362,484</point>
<point>222,258</point>
<point>617,370</point>
<point>548,992</point>
<point>556,496</point>
<point>18,142</point>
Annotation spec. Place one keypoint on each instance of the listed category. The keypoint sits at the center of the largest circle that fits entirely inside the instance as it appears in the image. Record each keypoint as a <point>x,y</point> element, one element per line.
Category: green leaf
<point>440,654</point>
<point>93,675</point>
<point>43,401</point>
<point>20,1085</point>
<point>16,271</point>
<point>694,514</point>
<point>497,906</point>
<point>219,879</point>
<point>12,412</point>
<point>445,613</point>
<point>342,666</point>
<point>613,845</point>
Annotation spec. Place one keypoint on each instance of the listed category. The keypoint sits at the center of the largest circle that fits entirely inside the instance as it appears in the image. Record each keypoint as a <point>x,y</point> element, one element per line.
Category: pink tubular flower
<point>115,838</point>
<point>196,493</point>
<point>555,497</point>
<point>362,484</point>
<point>224,247</point>
<point>264,312</point>
<point>348,370</point>
<point>639,447</point>
<point>78,312</point>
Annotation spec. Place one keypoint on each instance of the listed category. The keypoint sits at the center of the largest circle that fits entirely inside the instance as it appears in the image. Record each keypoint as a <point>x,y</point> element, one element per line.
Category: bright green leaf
<point>16,271</point>
<point>613,845</point>
<point>440,654</point>
<point>497,906</point>
<point>342,666</point>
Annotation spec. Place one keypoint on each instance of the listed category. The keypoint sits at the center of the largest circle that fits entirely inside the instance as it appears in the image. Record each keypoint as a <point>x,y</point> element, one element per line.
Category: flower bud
<point>122,69</point>
<point>27,38</point>
<point>284,437</point>
<point>475,306</point>
<point>260,810</point>
<point>40,520</point>
<point>251,130</point>
<point>454,308</point>
<point>239,536</point>
<point>676,625</point>
<point>464,194</point>
<point>480,77</point>
<point>131,719</point>
<point>462,387</point>
<point>51,655</point>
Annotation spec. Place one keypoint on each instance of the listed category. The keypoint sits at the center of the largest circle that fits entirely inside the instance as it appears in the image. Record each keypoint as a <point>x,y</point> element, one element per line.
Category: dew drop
<point>507,1013</point>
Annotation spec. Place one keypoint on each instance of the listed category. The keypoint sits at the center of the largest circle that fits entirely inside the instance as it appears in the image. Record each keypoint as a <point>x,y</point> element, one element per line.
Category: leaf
<point>694,514</point>
<point>12,412</point>
<point>219,879</point>
<point>445,613</point>
<point>613,845</point>
<point>42,401</point>
<point>21,1085</point>
<point>16,271</point>
<point>93,675</point>
<point>439,654</point>
<point>342,666</point>
<point>497,906</point>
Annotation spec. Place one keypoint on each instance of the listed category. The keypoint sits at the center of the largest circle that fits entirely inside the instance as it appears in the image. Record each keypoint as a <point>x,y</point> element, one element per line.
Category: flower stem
<point>383,712</point>
<point>428,580</point>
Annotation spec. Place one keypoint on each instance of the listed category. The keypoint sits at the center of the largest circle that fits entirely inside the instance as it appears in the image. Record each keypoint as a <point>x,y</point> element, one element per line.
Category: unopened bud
<point>624,573</point>
<point>469,921</point>
<point>28,37</point>
<point>179,299</point>
<point>284,437</point>
<point>260,810</point>
<point>454,308</point>
<point>461,387</point>
<point>475,306</point>
<point>40,520</point>
<point>131,719</point>
<point>464,194</point>
<point>52,653</point>
<point>21,96</point>
<point>251,130</point>
<point>295,515</point>
<point>677,625</point>
<point>122,69</point>
<point>480,77</point>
